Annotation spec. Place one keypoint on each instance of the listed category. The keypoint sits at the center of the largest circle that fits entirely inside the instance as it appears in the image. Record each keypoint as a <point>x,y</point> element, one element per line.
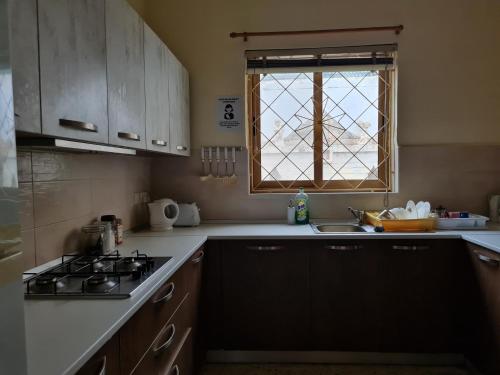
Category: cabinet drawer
<point>183,361</point>
<point>165,345</point>
<point>105,361</point>
<point>139,332</point>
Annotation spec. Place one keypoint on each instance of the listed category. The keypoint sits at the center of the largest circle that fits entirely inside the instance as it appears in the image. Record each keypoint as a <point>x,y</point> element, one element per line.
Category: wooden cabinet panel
<point>486,353</point>
<point>139,332</point>
<point>344,295</point>
<point>266,295</point>
<point>156,60</point>
<point>164,348</point>
<point>178,85</point>
<point>422,302</point>
<point>73,69</point>
<point>24,61</point>
<point>125,66</point>
<point>183,362</point>
<point>105,361</point>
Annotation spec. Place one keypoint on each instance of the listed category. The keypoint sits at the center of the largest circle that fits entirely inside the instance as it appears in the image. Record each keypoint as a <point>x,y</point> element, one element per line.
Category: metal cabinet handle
<point>181,148</point>
<point>129,136</point>
<point>168,295</point>
<point>175,370</point>
<point>200,258</point>
<point>160,349</point>
<point>410,247</point>
<point>78,125</point>
<point>485,259</point>
<point>159,142</point>
<point>343,247</point>
<point>102,371</point>
<point>265,248</point>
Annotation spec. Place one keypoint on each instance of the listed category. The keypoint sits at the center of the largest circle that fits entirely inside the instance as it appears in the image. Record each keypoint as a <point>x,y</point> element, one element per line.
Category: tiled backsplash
<point>459,177</point>
<point>61,192</point>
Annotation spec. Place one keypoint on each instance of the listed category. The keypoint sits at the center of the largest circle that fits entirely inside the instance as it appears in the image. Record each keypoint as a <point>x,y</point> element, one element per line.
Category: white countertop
<point>284,231</point>
<point>57,345</point>
<point>61,335</point>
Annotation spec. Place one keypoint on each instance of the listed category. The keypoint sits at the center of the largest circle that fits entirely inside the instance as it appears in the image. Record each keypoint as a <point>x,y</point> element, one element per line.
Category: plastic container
<point>402,225</point>
<point>472,222</point>
<point>301,203</point>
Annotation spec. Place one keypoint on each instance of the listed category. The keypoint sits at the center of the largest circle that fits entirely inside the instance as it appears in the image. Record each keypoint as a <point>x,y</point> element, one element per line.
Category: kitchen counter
<point>62,334</point>
<point>221,231</point>
<point>56,344</point>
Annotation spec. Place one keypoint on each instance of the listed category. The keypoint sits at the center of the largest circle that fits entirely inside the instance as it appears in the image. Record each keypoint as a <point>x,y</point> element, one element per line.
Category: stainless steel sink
<point>337,228</point>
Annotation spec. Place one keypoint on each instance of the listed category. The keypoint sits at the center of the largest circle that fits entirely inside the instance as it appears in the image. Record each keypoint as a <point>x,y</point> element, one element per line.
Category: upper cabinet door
<point>24,61</point>
<point>73,69</point>
<point>125,62</point>
<point>157,102</point>
<point>179,107</point>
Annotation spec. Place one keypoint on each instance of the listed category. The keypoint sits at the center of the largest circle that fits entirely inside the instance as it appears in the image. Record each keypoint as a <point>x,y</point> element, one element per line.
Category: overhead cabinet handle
<point>200,258</point>
<point>170,339</point>
<point>410,247</point>
<point>129,136</point>
<point>343,247</point>
<point>265,248</point>
<point>168,295</point>
<point>159,142</point>
<point>181,148</point>
<point>78,125</point>
<point>486,259</point>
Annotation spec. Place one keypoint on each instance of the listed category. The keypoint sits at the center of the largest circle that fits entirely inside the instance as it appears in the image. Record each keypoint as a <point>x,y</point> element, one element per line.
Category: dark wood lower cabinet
<point>344,295</point>
<point>485,354</point>
<point>265,289</point>
<point>105,361</point>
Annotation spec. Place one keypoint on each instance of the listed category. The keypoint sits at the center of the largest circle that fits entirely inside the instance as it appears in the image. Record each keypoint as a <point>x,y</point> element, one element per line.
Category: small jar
<point>119,231</point>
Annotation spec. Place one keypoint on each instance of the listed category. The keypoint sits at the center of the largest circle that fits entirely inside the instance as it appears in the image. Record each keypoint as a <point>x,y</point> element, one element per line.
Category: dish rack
<point>400,225</point>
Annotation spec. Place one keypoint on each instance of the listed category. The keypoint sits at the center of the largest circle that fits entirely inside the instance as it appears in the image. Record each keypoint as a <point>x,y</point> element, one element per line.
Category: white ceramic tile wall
<point>61,192</point>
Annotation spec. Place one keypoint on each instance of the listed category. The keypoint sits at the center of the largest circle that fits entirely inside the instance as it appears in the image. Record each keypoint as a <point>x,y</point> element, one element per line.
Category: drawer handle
<point>181,148</point>
<point>487,260</point>
<point>78,125</point>
<point>157,350</point>
<point>168,296</point>
<point>410,247</point>
<point>159,142</point>
<point>102,371</point>
<point>200,258</point>
<point>344,247</point>
<point>265,248</point>
<point>129,136</point>
<point>175,370</point>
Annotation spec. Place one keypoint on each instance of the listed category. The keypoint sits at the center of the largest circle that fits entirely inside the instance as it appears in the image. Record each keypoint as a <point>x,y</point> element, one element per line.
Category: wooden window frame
<point>384,182</point>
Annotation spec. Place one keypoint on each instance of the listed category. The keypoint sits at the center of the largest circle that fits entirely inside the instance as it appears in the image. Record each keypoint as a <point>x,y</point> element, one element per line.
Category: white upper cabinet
<point>73,69</point>
<point>157,101</point>
<point>178,85</point>
<point>24,61</point>
<point>125,65</point>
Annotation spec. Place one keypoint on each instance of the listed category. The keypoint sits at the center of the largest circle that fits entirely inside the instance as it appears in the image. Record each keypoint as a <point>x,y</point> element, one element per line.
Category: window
<point>321,119</point>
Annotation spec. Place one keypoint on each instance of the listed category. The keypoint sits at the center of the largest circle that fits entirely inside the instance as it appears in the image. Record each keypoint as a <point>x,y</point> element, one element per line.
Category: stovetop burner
<point>100,284</point>
<point>106,276</point>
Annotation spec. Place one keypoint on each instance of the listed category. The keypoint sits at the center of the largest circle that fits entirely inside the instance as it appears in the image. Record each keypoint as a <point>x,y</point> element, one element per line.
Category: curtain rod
<point>397,29</point>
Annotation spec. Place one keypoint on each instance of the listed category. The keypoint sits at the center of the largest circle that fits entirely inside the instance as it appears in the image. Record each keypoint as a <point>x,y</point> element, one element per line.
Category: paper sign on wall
<point>229,113</point>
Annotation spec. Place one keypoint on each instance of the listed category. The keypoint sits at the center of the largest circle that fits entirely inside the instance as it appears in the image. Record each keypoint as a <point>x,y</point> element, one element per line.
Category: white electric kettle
<point>162,214</point>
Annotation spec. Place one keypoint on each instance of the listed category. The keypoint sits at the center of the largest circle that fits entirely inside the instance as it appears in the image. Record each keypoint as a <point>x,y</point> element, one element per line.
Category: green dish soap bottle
<point>301,207</point>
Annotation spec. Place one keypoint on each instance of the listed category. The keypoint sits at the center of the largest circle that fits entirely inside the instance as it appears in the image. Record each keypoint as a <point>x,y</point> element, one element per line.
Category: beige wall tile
<point>61,200</point>
<point>28,246</point>
<point>53,240</point>
<point>51,166</point>
<point>26,205</point>
<point>24,166</point>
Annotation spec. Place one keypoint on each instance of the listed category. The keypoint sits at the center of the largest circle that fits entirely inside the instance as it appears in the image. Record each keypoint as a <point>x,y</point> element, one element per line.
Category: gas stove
<point>85,276</point>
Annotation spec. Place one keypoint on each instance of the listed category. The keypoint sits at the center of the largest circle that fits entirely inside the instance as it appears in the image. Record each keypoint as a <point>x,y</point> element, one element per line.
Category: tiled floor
<point>270,369</point>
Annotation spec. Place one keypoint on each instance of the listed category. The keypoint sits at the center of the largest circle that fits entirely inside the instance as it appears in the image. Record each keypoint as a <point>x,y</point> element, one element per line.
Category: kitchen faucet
<point>358,214</point>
